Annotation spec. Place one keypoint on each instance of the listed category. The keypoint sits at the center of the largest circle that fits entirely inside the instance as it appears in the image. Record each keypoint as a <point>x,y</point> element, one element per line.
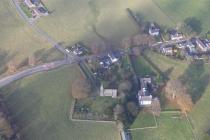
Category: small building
<point>108,92</point>
<point>187,45</point>
<point>154,30</point>
<point>204,45</point>
<point>175,35</point>
<point>32,3</point>
<point>168,50</point>
<point>145,92</point>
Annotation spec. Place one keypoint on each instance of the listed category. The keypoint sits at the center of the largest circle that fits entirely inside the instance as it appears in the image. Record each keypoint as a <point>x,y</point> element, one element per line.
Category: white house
<point>112,58</point>
<point>154,30</point>
<point>32,3</point>
<point>174,35</point>
<point>204,45</point>
<point>124,135</point>
<point>144,94</point>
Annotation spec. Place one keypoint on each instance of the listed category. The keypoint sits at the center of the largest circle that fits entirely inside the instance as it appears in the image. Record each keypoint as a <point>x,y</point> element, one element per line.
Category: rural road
<point>69,59</point>
<point>44,67</point>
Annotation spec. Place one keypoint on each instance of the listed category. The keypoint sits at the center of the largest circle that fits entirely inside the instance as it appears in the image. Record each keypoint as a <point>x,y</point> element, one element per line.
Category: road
<point>44,67</point>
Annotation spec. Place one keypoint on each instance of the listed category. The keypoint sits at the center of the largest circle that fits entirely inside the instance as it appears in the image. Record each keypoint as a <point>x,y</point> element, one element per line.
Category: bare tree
<point>118,110</point>
<point>155,107</point>
<point>31,60</point>
<point>12,67</point>
<point>97,47</point>
<point>80,88</point>
<point>126,43</point>
<point>125,86</point>
<point>175,91</point>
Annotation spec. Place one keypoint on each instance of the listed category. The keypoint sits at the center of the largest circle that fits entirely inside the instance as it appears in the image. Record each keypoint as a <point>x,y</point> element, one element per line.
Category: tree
<point>97,47</point>
<point>12,67</point>
<point>126,43</point>
<point>194,24</point>
<point>80,88</point>
<point>132,108</point>
<point>155,107</point>
<point>118,110</point>
<point>125,86</point>
<point>175,91</point>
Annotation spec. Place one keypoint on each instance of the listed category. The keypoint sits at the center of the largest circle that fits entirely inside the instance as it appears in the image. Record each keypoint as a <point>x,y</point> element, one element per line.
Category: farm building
<point>108,92</point>
<point>204,45</point>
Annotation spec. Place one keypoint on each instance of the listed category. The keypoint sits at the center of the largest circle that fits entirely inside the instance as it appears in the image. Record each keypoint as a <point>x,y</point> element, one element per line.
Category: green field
<point>170,127</point>
<point>194,75</point>
<point>143,120</point>
<point>40,106</point>
<point>18,41</point>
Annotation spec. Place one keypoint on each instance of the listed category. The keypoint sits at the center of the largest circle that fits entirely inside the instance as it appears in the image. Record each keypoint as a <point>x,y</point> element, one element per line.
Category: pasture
<point>171,126</point>
<point>196,78</point>
<point>40,106</point>
<point>18,41</point>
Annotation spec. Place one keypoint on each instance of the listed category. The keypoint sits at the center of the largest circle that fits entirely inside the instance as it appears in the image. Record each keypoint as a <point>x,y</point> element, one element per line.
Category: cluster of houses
<point>77,49</point>
<point>36,7</point>
<point>108,60</point>
<point>192,48</point>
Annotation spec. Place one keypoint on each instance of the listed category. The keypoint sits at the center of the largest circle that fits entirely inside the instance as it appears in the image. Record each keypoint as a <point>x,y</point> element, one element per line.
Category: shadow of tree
<point>194,24</point>
<point>196,79</point>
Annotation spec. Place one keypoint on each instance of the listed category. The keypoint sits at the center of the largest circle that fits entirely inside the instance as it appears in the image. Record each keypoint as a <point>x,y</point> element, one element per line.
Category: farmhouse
<point>175,35</point>
<point>32,3</point>
<point>154,30</point>
<point>108,60</point>
<point>145,93</point>
<point>108,92</point>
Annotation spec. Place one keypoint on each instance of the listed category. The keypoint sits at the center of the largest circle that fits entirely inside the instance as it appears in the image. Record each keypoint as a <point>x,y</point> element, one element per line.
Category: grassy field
<point>17,40</point>
<point>68,24</point>
<point>143,120</point>
<point>193,75</point>
<point>179,10</point>
<point>169,128</point>
<point>40,106</point>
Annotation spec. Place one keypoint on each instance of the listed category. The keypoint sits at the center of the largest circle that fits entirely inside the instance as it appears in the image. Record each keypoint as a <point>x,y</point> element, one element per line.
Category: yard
<point>171,126</point>
<point>40,106</point>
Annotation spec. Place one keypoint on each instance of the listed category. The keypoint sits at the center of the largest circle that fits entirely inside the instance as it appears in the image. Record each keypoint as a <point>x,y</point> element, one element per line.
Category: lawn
<point>141,66</point>
<point>40,106</point>
<point>143,120</point>
<point>170,127</point>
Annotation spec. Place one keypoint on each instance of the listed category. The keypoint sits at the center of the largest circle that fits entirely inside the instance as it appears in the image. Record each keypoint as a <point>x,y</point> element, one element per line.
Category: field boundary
<point>79,120</point>
<point>191,126</point>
